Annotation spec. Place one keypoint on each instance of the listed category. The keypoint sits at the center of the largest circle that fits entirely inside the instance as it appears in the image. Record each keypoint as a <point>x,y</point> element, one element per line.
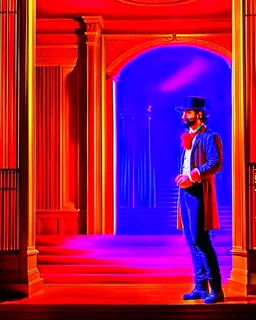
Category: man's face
<point>189,118</point>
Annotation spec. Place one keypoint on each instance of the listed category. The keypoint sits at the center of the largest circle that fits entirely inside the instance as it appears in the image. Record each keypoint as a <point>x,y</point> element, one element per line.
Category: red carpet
<point>123,277</point>
<point>121,259</point>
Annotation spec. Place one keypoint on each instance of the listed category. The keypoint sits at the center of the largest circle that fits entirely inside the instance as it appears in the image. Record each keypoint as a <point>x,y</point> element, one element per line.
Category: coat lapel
<point>199,137</point>
<point>197,140</point>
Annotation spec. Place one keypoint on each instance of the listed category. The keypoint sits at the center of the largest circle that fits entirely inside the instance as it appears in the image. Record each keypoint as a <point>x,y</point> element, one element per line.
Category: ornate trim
<point>120,50</point>
<point>154,2</point>
<point>94,25</point>
<point>54,52</point>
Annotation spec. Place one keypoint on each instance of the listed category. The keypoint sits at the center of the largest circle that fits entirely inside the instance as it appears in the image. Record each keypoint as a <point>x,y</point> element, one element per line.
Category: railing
<point>9,210</point>
<point>252,204</point>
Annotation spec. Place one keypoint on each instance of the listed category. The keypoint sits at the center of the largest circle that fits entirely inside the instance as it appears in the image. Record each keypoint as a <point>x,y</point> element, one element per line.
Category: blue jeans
<point>204,257</point>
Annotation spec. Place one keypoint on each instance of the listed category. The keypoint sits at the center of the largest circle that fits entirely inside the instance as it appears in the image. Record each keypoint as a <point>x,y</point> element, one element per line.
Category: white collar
<point>192,131</point>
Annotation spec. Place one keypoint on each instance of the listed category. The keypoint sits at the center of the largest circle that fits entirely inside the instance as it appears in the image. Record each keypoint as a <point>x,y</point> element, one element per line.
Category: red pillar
<point>243,274</point>
<point>93,27</point>
<point>250,74</point>
<point>19,273</point>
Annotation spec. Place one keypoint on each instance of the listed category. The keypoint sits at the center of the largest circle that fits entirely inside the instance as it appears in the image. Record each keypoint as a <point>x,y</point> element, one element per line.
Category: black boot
<point>216,294</point>
<point>199,292</point>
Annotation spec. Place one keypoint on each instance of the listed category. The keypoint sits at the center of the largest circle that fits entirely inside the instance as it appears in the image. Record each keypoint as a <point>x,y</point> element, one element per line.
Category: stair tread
<point>120,278</point>
<point>105,259</point>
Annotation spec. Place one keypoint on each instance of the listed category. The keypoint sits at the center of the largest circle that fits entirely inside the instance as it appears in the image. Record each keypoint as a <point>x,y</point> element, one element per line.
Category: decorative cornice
<point>121,49</point>
<point>94,25</point>
<point>54,52</point>
<point>154,2</point>
<point>250,8</point>
<point>55,56</point>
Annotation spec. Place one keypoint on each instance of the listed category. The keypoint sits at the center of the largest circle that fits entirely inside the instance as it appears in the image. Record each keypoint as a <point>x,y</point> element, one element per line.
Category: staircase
<point>167,200</point>
<point>162,220</point>
<point>121,259</point>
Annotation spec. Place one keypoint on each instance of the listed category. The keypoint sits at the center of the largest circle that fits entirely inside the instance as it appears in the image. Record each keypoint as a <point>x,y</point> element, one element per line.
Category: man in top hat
<point>197,203</point>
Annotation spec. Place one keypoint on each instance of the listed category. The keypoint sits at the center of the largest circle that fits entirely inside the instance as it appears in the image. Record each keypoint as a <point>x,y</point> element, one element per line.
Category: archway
<point>110,141</point>
<point>148,134</point>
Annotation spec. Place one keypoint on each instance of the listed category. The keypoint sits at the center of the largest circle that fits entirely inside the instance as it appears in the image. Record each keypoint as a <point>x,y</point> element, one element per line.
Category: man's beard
<point>189,122</point>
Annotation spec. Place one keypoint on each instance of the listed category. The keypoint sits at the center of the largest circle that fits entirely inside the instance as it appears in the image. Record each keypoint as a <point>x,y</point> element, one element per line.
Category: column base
<point>244,288</point>
<point>243,275</point>
<point>19,275</point>
<point>21,289</point>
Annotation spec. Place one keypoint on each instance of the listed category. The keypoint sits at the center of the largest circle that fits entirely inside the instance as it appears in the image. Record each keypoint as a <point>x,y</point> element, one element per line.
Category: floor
<point>123,301</point>
<point>111,278</point>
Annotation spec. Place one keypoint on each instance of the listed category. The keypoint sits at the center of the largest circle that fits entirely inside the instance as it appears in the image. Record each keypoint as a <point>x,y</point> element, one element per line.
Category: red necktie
<point>187,138</point>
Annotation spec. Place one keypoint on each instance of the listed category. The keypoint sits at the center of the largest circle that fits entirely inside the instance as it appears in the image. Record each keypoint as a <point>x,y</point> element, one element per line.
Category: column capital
<point>250,8</point>
<point>94,25</point>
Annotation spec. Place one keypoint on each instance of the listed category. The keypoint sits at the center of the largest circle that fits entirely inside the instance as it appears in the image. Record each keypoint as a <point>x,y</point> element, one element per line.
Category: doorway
<point>148,134</point>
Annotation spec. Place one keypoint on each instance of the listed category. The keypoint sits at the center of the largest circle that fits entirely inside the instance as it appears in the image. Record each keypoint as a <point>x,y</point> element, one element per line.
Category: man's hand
<point>183,181</point>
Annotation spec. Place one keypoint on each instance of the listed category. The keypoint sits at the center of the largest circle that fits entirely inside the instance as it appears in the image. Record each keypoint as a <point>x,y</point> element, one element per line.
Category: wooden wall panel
<point>60,164</point>
<point>69,138</point>
<point>57,222</point>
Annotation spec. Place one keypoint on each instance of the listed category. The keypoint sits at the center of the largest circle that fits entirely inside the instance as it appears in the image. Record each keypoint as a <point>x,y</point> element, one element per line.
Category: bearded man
<point>197,203</point>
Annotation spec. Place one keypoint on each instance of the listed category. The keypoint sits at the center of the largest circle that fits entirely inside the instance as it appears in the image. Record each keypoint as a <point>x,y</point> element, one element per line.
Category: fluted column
<point>250,95</point>
<point>29,274</point>
<point>109,194</point>
<point>243,275</point>
<point>94,183</point>
<point>19,272</point>
<point>9,173</point>
<point>250,75</point>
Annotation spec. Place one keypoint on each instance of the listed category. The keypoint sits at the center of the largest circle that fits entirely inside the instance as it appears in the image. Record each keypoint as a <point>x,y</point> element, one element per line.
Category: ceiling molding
<point>155,2</point>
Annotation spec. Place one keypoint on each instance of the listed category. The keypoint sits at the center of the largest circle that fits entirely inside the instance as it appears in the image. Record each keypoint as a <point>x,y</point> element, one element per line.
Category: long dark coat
<point>206,156</point>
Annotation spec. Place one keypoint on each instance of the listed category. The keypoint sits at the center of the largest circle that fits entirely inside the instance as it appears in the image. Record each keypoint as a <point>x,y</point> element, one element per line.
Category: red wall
<point>60,133</point>
<point>61,184</point>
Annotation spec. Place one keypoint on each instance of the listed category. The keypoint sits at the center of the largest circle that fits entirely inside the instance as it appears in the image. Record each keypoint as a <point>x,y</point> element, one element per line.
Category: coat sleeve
<point>213,153</point>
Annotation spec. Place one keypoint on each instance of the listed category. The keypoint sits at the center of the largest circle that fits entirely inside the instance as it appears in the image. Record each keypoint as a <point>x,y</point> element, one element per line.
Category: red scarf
<point>187,138</point>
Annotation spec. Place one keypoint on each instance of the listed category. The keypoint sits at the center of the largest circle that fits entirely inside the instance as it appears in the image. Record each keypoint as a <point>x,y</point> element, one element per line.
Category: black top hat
<point>193,103</point>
